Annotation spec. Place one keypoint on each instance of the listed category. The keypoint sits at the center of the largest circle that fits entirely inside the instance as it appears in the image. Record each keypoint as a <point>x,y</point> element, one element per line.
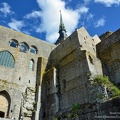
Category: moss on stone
<point>104,81</point>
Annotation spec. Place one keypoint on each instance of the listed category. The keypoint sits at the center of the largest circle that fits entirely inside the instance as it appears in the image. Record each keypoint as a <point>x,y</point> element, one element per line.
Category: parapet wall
<point>110,40</point>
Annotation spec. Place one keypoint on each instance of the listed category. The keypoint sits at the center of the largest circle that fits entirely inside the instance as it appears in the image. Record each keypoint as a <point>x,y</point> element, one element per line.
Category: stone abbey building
<point>42,81</point>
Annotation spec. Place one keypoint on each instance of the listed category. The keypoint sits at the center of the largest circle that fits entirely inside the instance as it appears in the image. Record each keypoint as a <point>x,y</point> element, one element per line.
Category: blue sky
<point>40,18</point>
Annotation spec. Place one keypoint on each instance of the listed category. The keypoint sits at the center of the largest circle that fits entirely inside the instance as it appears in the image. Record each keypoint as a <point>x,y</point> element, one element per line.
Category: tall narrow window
<point>33,49</point>
<point>90,59</point>
<point>13,43</point>
<point>6,59</point>
<point>24,47</point>
<point>32,65</point>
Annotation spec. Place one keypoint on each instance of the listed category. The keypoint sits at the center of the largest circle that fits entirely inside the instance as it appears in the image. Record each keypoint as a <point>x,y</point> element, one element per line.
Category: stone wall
<point>109,41</point>
<point>109,54</point>
<point>6,35</point>
<point>62,76</point>
<point>13,92</point>
<point>105,110</point>
<point>73,71</point>
<point>49,97</point>
<point>19,79</point>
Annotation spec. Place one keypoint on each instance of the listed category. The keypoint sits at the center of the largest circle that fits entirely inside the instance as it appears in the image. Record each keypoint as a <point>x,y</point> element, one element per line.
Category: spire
<point>62,30</point>
<point>61,26</point>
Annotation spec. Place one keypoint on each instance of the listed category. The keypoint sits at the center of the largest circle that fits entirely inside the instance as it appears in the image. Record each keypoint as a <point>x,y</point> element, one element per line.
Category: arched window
<point>13,43</point>
<point>32,65</point>
<point>23,47</point>
<point>33,49</point>
<point>7,59</point>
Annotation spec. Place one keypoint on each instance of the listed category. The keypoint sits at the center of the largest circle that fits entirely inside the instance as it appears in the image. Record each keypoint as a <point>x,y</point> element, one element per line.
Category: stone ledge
<point>6,119</point>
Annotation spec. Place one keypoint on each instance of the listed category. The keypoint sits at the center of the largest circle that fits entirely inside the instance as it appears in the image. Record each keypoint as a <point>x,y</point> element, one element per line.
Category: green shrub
<point>115,91</point>
<point>101,79</point>
<point>101,96</point>
<point>76,107</point>
<point>104,81</point>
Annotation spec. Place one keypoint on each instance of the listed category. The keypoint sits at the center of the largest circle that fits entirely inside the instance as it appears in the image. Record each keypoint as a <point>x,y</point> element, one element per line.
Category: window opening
<point>19,78</point>
<point>33,50</point>
<point>2,114</point>
<point>23,47</point>
<point>32,65</point>
<point>91,60</point>
<point>7,59</point>
<point>13,43</point>
<point>5,101</point>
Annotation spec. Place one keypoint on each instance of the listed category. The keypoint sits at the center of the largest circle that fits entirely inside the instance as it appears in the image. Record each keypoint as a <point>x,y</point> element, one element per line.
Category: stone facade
<point>109,53</point>
<point>42,81</point>
<point>20,83</point>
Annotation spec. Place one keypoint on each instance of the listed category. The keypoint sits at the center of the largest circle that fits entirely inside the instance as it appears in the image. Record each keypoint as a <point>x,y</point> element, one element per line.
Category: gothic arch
<point>7,59</point>
<point>5,102</point>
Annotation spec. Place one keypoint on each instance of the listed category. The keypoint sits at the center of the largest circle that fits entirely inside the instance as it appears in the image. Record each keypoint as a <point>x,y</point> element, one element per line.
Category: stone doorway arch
<point>4,104</point>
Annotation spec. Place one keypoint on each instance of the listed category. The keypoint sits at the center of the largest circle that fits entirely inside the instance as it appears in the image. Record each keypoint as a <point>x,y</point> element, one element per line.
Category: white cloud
<point>6,9</point>
<point>50,18</point>
<point>89,16</point>
<point>100,23</point>
<point>108,3</point>
<point>82,10</point>
<point>34,14</point>
<point>16,25</point>
<point>87,1</point>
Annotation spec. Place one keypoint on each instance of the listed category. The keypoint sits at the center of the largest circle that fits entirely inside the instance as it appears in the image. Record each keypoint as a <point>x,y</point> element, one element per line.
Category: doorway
<point>4,104</point>
<point>2,114</point>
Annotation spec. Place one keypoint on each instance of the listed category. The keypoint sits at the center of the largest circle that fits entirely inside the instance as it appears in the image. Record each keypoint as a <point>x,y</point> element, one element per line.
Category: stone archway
<point>4,104</point>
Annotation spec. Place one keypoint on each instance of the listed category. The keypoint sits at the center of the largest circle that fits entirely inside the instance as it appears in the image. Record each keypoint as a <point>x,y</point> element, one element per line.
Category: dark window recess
<point>23,47</point>
<point>29,81</point>
<point>13,43</point>
<point>91,60</point>
<point>2,114</point>
<point>33,50</point>
<point>19,78</point>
